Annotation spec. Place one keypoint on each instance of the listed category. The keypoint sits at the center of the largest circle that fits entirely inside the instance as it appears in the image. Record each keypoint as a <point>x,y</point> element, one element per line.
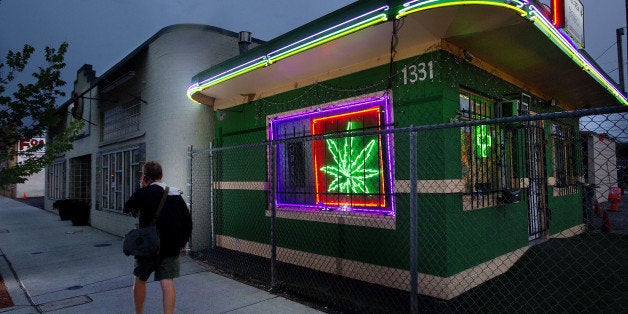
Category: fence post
<point>273,216</point>
<point>414,260</point>
<point>189,245</point>
<point>211,197</point>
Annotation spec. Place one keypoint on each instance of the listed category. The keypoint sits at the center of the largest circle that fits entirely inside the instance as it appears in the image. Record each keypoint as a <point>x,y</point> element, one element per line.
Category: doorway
<point>80,178</point>
<point>538,215</point>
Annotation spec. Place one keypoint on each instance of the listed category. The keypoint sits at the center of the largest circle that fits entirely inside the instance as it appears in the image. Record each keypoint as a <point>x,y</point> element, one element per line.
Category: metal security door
<point>537,189</point>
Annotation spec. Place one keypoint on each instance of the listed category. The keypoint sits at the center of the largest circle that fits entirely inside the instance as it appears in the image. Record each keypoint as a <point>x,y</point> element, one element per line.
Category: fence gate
<point>538,212</point>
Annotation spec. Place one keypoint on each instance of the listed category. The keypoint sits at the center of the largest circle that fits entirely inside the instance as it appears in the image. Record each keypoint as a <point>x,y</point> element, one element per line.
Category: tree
<point>30,111</point>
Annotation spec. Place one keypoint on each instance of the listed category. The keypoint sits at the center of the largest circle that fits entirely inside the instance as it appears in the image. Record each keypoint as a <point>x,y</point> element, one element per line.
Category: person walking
<point>175,227</point>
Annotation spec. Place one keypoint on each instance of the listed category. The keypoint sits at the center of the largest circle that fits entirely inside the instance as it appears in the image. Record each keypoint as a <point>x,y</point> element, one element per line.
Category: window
<point>120,121</point>
<point>565,157</point>
<point>487,159</point>
<point>339,173</point>
<point>56,180</point>
<point>120,173</point>
<point>80,178</point>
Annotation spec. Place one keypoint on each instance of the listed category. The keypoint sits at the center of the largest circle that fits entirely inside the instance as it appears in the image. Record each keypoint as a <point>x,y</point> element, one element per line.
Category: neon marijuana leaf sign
<point>483,141</point>
<point>350,169</point>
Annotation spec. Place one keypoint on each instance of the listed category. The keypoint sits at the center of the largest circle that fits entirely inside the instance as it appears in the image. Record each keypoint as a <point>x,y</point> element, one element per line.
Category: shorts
<point>165,267</point>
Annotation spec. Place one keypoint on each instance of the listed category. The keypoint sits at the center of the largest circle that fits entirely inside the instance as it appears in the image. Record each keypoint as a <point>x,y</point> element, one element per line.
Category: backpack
<point>174,225</point>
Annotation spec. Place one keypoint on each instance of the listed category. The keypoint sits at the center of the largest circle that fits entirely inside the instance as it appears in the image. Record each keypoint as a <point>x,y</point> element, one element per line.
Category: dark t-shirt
<point>144,202</point>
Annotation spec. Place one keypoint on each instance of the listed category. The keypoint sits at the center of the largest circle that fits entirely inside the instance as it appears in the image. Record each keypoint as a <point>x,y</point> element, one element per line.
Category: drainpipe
<point>244,40</point>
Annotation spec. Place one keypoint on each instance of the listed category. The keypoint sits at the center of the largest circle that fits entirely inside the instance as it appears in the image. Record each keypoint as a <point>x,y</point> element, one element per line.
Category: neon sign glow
<point>352,173</point>
<point>558,13</point>
<point>483,140</point>
<point>376,16</point>
<point>525,9</point>
<point>349,26</point>
<point>415,6</point>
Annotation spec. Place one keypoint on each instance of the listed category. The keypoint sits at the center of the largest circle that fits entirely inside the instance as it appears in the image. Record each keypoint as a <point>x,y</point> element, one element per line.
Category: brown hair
<point>152,170</point>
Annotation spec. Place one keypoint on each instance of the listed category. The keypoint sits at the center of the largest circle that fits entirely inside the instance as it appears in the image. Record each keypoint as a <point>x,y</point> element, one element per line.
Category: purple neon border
<point>340,108</point>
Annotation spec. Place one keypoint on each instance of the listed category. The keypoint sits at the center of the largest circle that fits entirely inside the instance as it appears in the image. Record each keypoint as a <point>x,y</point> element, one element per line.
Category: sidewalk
<point>49,265</point>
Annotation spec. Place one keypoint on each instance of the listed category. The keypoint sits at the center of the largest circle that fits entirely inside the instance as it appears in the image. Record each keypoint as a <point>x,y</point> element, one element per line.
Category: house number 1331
<point>418,72</point>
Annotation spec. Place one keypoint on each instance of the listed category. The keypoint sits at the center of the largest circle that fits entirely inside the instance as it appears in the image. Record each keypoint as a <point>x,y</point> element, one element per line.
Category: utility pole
<point>620,58</point>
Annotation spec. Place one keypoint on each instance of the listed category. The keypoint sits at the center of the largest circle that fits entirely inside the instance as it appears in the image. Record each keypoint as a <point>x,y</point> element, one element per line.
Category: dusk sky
<point>103,32</point>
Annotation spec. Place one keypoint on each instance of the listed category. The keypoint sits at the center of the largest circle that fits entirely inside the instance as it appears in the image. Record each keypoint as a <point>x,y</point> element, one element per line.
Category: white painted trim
<point>568,233</point>
<point>401,186</point>
<point>435,286</point>
<point>343,218</point>
<point>241,185</point>
<point>431,186</point>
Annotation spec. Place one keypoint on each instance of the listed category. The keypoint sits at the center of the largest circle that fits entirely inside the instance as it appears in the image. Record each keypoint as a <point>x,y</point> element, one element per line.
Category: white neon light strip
<point>383,8</point>
<point>546,27</point>
<point>410,7</point>
<point>338,30</point>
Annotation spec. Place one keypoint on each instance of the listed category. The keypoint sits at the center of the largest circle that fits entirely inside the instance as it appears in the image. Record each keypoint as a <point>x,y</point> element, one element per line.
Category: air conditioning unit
<point>519,106</point>
<point>524,104</point>
<point>506,108</point>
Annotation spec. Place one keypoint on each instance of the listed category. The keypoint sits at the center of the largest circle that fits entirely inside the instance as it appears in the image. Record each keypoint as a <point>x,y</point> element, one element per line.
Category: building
<point>383,65</point>
<point>601,163</point>
<point>133,113</point>
<point>34,184</point>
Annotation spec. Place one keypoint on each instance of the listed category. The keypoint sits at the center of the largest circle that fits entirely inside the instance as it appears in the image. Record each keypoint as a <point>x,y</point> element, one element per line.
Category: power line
<point>611,46</point>
<point>616,68</point>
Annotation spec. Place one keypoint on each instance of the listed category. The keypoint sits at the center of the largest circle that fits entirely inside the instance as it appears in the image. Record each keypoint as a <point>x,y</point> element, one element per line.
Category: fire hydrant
<point>614,196</point>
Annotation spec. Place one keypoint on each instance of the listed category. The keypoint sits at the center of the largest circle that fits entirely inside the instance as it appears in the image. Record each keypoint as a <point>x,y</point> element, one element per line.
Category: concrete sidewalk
<point>48,265</point>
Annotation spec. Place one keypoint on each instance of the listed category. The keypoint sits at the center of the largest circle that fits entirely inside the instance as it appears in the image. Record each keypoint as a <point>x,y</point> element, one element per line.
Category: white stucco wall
<point>33,187</point>
<point>602,165</point>
<point>169,121</point>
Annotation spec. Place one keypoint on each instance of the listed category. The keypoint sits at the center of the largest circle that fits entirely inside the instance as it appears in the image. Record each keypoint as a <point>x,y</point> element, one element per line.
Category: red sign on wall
<point>25,144</point>
<point>568,15</point>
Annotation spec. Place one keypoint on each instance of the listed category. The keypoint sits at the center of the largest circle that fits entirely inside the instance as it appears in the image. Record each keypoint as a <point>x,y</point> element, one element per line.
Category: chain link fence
<point>493,215</point>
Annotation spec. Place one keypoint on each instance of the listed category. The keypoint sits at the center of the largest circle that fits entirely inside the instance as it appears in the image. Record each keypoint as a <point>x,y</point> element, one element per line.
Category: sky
<point>103,32</point>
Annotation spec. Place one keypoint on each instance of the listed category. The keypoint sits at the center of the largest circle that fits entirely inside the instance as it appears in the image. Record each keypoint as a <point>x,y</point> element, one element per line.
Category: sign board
<point>569,15</point>
<point>27,143</point>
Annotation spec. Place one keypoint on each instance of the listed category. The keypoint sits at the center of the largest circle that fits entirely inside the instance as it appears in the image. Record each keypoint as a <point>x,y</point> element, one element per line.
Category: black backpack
<point>174,225</point>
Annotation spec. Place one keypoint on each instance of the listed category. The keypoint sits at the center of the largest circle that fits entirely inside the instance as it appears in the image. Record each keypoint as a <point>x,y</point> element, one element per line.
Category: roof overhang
<point>511,39</point>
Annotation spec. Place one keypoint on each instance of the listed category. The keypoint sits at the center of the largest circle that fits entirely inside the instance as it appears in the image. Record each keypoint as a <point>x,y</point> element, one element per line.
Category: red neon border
<point>558,13</point>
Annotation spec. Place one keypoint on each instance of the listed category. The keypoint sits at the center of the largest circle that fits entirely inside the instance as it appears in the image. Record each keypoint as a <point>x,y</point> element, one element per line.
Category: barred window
<point>120,173</point>
<point>56,180</point>
<point>346,173</point>
<point>488,162</point>
<point>565,158</point>
<point>80,178</point>
<point>121,120</point>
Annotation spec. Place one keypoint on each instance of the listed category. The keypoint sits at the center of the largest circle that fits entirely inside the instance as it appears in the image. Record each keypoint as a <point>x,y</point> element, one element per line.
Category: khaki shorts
<point>164,267</point>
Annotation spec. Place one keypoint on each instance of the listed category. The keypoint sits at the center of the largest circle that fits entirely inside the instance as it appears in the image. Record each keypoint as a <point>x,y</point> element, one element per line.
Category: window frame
<point>124,164</point>
<point>120,120</point>
<point>56,180</point>
<point>309,140</point>
<point>565,158</point>
<point>498,176</point>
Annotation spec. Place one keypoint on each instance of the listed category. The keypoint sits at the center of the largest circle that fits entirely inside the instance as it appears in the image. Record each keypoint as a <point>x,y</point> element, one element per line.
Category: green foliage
<point>30,111</point>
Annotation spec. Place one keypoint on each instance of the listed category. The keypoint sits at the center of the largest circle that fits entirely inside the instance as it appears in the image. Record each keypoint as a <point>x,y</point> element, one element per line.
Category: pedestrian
<point>174,225</point>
